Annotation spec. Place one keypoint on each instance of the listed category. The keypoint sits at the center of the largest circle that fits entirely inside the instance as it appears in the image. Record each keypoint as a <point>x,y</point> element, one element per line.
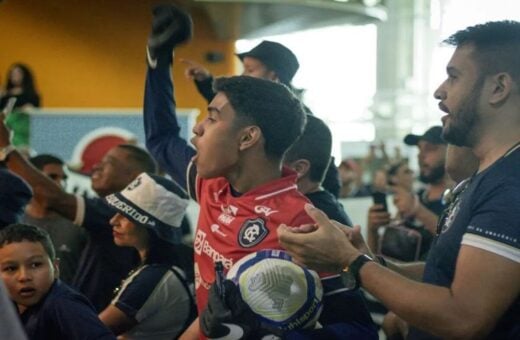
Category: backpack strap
<point>193,309</point>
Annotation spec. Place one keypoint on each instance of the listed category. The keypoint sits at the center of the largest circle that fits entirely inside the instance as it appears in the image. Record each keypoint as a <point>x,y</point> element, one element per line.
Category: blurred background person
<point>20,84</point>
<point>15,193</point>
<point>68,239</point>
<point>351,177</point>
<point>401,175</point>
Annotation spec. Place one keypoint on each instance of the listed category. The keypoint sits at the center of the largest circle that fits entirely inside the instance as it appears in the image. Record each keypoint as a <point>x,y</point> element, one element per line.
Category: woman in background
<point>20,85</point>
<point>155,300</point>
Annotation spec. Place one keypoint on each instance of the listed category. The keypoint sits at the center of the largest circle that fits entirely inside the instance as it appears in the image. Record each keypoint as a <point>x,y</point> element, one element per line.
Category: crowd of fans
<point>445,265</point>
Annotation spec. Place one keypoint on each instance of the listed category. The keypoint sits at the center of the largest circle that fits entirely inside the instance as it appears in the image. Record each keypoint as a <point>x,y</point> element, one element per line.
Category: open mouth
<point>27,292</point>
<point>443,108</point>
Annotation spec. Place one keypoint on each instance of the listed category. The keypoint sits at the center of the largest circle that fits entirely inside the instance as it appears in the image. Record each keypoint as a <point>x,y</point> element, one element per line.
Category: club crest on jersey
<point>252,232</point>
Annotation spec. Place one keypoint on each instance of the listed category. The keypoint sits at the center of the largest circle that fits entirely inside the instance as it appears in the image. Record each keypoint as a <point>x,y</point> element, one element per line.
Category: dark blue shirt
<point>63,314</point>
<point>487,216</point>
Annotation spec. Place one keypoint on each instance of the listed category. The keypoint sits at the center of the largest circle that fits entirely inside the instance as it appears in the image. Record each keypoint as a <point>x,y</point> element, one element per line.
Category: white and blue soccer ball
<point>283,294</point>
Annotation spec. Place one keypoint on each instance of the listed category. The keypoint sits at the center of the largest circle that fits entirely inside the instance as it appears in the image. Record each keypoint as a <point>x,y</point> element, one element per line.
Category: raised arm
<point>173,153</point>
<point>45,191</point>
<point>161,126</point>
<point>201,77</point>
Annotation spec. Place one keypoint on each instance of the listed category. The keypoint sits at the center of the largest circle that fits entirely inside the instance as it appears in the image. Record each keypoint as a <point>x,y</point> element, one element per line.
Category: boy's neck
<point>254,174</point>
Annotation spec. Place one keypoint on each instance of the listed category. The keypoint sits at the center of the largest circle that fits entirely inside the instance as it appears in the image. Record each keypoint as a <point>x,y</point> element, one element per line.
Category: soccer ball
<point>281,293</point>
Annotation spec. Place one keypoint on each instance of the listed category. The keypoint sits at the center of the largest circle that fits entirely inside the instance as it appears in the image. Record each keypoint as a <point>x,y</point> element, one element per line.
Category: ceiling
<point>237,19</point>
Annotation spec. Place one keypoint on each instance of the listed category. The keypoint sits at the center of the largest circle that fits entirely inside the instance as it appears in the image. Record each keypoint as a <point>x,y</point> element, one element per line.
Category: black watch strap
<point>353,269</point>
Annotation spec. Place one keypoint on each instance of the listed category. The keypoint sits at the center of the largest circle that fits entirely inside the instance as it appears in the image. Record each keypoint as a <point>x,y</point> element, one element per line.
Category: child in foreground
<point>48,308</point>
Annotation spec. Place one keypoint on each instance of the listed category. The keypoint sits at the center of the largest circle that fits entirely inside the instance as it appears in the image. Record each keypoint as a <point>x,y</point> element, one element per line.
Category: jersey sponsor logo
<point>202,246</point>
<point>215,228</point>
<point>252,232</point>
<point>230,209</point>
<point>225,218</point>
<point>228,214</point>
<point>262,209</point>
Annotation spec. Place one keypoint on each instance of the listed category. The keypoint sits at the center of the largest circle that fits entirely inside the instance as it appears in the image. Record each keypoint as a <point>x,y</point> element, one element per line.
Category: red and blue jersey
<point>231,227</point>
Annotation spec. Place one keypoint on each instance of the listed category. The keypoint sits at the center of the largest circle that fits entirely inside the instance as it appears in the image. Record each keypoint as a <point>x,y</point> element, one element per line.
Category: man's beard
<point>434,176</point>
<point>459,129</point>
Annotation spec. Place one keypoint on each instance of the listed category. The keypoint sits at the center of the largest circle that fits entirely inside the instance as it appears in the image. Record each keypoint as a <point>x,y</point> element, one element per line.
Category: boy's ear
<point>301,166</point>
<point>250,136</point>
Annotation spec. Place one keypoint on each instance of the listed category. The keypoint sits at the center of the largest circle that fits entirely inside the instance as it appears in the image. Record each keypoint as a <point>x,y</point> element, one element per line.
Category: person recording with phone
<point>419,210</point>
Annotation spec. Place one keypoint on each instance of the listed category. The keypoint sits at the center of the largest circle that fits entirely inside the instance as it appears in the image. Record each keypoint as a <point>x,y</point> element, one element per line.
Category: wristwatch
<point>5,151</point>
<point>350,275</point>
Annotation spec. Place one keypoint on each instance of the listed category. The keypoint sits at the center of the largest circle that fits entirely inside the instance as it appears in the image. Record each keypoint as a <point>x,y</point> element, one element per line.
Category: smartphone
<point>380,198</point>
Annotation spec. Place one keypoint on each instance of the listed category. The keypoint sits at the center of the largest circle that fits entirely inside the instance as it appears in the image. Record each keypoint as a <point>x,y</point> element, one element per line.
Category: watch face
<point>349,281</point>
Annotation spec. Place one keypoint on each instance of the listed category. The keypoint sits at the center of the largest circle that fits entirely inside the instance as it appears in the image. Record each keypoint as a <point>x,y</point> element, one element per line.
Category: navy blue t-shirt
<point>487,217</point>
<point>103,264</point>
<point>63,314</point>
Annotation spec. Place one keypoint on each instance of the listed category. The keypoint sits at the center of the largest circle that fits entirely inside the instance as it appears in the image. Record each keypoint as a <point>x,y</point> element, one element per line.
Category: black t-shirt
<point>21,100</point>
<point>326,202</point>
<point>103,264</point>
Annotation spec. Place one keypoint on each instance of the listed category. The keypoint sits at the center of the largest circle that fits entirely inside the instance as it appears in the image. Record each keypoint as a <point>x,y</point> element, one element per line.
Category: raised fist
<point>171,26</point>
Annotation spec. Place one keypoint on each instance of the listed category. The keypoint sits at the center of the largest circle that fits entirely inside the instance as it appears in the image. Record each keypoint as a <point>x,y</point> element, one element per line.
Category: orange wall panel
<point>91,53</point>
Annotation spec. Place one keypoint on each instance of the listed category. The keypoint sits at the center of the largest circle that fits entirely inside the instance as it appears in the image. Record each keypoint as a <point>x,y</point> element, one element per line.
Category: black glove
<point>170,26</point>
<point>232,318</point>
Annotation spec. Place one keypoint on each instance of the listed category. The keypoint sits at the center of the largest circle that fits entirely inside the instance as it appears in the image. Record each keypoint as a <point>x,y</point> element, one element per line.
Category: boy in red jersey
<point>236,172</point>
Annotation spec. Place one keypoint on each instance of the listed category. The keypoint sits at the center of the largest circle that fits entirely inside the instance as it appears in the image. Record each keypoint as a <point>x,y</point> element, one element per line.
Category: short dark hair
<point>142,159</point>
<point>497,46</point>
<point>42,160</point>
<point>15,233</point>
<point>269,105</point>
<point>314,145</point>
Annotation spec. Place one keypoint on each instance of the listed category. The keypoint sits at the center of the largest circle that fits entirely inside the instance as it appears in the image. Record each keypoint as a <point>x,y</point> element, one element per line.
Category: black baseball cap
<point>276,57</point>
<point>432,135</point>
